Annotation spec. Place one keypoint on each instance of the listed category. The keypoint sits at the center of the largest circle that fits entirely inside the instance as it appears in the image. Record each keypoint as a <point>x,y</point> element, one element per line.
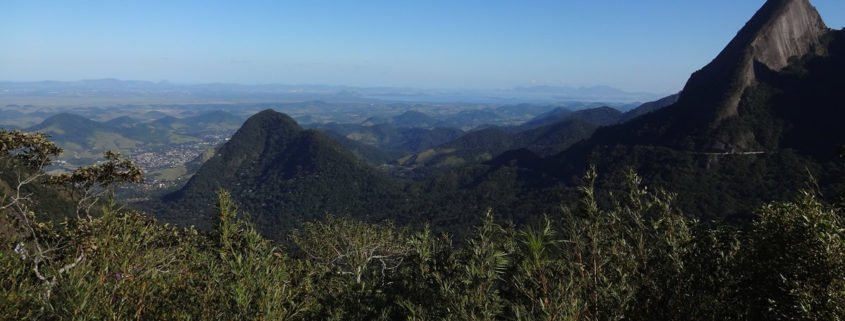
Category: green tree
<point>795,263</point>
<point>354,262</point>
<point>89,184</point>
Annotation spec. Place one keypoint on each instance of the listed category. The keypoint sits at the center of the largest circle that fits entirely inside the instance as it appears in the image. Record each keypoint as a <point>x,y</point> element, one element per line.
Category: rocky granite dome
<point>781,30</point>
<point>721,107</point>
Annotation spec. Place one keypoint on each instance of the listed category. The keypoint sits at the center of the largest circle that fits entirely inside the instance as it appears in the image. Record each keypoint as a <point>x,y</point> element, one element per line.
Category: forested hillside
<point>283,175</point>
<point>637,257</point>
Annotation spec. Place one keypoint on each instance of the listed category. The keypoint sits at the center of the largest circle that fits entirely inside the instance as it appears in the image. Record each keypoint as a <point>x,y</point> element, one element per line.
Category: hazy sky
<point>644,45</point>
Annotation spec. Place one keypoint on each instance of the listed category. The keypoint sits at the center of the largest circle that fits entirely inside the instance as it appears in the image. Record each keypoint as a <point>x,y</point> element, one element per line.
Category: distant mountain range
<point>104,88</point>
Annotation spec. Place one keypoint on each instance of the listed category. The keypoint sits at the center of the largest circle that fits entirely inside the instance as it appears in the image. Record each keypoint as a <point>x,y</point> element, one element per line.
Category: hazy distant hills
<point>485,144</point>
<point>207,122</point>
<point>408,119</point>
<point>98,90</point>
<point>418,139</point>
<point>649,107</point>
<point>393,139</point>
<point>85,139</point>
<point>471,119</point>
<point>546,134</point>
<point>123,121</point>
<point>600,116</point>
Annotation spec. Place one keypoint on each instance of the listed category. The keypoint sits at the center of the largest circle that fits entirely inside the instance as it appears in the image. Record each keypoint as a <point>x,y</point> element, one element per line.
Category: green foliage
<point>254,280</point>
<point>796,260</point>
<point>361,251</point>
<point>114,170</point>
<point>354,265</point>
<point>626,254</point>
<point>543,287</point>
<point>88,184</point>
<point>31,151</point>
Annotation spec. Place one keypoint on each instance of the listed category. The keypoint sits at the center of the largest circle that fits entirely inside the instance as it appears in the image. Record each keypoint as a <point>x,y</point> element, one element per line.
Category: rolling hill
<point>599,116</point>
<point>84,138</point>
<point>546,134</point>
<point>649,107</point>
<point>391,139</point>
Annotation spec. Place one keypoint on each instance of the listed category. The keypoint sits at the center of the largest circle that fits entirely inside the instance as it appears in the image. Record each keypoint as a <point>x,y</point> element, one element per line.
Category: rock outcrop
<point>779,31</point>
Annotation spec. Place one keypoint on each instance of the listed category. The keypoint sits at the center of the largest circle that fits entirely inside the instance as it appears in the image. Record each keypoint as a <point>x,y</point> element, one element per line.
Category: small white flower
<point>21,250</point>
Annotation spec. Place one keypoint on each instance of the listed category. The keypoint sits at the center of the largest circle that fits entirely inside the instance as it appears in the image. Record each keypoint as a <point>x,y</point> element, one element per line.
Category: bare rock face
<point>754,96</point>
<point>780,30</point>
<point>794,31</point>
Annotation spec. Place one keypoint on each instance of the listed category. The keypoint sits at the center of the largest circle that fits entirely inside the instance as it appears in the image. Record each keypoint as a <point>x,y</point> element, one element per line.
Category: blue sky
<point>645,45</point>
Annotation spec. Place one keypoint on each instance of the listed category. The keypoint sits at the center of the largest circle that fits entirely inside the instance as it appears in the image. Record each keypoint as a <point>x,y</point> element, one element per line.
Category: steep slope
<point>747,128</point>
<point>476,146</point>
<point>599,116</point>
<point>548,117</point>
<point>649,107</point>
<point>556,137</point>
<point>368,153</point>
<point>781,30</point>
<point>283,175</point>
<point>709,114</point>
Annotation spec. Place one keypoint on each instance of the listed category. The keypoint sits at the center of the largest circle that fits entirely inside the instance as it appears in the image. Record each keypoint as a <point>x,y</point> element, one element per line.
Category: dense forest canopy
<point>637,257</point>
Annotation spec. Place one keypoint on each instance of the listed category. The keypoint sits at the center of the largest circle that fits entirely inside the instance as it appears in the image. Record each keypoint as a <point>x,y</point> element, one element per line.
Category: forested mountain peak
<point>282,174</point>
